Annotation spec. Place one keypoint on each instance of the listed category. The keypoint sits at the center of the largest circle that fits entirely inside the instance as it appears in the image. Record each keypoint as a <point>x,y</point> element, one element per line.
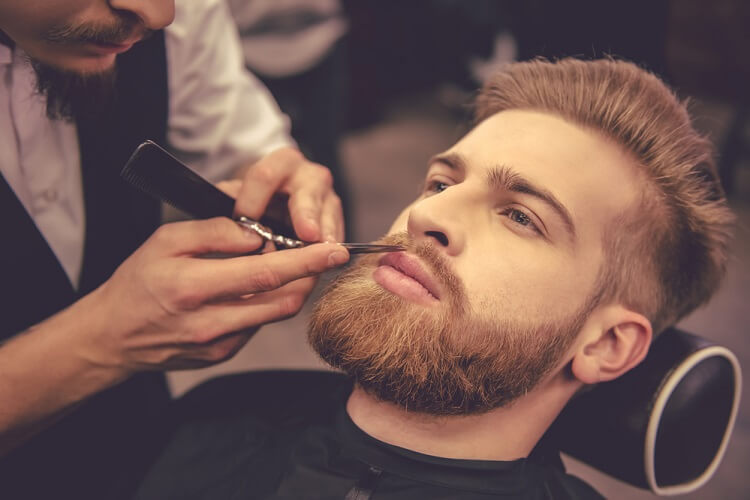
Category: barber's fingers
<point>308,192</point>
<point>222,318</point>
<point>264,308</point>
<point>231,187</point>
<point>237,276</point>
<point>288,171</point>
<point>332,219</point>
<point>217,320</point>
<point>196,237</point>
<point>198,355</point>
<point>264,178</point>
<point>226,347</point>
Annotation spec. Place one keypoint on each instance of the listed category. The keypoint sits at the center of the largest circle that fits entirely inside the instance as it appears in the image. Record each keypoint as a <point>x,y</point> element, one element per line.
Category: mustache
<point>124,28</point>
<point>431,256</point>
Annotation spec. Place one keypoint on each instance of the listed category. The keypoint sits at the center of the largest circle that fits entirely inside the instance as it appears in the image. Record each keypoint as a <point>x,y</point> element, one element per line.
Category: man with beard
<point>83,342</point>
<point>581,216</point>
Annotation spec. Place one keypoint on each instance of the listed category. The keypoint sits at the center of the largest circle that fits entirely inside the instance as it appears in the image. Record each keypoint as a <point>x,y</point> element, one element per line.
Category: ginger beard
<point>442,360</point>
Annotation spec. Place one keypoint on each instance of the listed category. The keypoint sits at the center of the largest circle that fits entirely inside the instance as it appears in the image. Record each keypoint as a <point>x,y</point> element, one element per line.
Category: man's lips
<point>404,275</point>
<point>103,48</point>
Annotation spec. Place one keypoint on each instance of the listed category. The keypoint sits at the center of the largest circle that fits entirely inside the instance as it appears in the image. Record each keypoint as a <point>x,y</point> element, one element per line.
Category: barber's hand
<point>167,308</point>
<point>314,207</point>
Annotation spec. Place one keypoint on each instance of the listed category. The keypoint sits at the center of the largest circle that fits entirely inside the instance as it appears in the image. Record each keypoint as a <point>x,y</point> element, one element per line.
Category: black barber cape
<point>274,435</point>
<point>94,451</point>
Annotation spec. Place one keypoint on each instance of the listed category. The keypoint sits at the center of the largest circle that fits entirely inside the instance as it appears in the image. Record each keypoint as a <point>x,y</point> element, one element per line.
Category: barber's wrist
<point>94,340</point>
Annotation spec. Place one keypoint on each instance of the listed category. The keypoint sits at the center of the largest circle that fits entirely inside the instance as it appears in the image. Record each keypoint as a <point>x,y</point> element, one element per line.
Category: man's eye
<point>436,187</point>
<point>520,218</point>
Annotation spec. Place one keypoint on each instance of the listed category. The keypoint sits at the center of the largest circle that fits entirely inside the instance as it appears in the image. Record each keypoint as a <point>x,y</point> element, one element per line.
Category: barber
<point>97,300</point>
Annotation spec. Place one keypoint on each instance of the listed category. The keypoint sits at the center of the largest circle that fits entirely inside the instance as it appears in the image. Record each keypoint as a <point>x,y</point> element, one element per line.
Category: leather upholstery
<point>664,425</point>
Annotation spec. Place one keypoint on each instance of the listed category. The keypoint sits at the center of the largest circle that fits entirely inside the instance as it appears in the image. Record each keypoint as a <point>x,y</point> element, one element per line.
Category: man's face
<point>504,249</point>
<point>81,36</point>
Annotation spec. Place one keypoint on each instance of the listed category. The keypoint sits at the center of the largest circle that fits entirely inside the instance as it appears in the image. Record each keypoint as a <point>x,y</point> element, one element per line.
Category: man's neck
<point>500,434</point>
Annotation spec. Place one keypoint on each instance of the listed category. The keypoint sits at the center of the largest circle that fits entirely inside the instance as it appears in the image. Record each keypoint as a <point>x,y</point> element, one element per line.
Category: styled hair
<point>666,255</point>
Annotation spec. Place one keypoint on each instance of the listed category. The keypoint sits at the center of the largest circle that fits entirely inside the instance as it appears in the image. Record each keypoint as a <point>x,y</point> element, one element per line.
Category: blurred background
<point>374,88</point>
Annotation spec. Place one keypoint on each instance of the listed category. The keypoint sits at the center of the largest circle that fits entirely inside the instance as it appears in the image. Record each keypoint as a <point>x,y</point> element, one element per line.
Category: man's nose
<point>154,14</point>
<point>438,219</point>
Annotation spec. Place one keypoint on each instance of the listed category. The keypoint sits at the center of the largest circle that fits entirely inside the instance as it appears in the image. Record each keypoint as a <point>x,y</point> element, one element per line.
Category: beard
<point>70,95</point>
<point>443,360</point>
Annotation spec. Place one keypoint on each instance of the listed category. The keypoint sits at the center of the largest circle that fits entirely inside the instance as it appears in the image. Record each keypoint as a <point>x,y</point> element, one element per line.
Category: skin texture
<point>521,269</point>
<point>166,307</point>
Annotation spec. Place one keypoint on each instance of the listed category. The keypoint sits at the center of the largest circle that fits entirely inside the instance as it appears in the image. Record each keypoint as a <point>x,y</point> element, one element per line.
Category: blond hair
<point>665,256</point>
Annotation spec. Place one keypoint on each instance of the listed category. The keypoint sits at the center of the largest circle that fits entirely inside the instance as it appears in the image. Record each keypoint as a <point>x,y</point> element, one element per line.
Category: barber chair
<point>663,426</point>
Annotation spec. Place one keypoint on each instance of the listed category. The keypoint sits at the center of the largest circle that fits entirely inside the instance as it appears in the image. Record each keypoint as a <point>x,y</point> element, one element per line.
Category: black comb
<point>157,173</point>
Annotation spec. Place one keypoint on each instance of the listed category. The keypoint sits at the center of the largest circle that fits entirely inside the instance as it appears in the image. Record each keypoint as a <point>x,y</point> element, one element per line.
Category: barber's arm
<point>164,308</point>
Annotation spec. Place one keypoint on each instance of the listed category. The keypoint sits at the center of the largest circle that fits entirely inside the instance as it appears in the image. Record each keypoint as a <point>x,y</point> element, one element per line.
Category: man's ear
<point>614,343</point>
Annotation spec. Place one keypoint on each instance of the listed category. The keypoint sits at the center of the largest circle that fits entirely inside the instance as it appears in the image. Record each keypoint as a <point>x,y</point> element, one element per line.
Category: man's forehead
<point>593,177</point>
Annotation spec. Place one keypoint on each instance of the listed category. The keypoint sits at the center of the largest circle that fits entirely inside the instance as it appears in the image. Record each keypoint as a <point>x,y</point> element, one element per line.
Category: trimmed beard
<point>443,360</point>
<point>70,95</point>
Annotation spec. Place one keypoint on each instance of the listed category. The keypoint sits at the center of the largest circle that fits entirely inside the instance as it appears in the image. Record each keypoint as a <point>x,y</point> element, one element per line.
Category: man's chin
<point>81,65</point>
<point>94,65</point>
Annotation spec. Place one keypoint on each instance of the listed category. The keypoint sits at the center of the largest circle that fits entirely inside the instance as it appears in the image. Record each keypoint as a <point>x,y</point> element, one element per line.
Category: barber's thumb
<point>315,258</point>
<point>217,235</point>
<point>339,256</point>
<point>285,266</point>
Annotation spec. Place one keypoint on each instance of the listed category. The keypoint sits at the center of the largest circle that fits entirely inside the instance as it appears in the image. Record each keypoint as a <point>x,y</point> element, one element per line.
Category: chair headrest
<point>664,425</point>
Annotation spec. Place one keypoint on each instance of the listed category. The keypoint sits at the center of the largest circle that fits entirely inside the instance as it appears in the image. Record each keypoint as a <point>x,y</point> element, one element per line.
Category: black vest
<point>91,452</point>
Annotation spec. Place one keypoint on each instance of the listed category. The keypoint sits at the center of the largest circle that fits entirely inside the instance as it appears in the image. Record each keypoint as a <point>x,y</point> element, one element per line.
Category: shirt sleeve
<point>220,116</point>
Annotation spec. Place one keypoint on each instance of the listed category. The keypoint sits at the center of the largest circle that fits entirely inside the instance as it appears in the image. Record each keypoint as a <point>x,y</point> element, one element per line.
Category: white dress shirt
<point>220,118</point>
<point>283,38</point>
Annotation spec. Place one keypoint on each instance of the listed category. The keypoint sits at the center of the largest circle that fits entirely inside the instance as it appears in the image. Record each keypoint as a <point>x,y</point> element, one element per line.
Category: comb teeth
<point>135,179</point>
<point>159,174</point>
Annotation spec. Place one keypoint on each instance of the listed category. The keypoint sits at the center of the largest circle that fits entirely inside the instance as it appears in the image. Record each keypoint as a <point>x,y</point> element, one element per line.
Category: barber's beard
<point>443,360</point>
<point>71,95</point>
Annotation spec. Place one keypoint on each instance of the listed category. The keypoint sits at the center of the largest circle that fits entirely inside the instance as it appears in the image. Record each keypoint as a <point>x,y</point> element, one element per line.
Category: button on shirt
<point>220,118</point>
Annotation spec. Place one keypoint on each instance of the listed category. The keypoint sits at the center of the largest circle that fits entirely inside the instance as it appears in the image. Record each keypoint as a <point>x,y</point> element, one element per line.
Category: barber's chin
<point>402,285</point>
<point>94,64</point>
<point>76,61</point>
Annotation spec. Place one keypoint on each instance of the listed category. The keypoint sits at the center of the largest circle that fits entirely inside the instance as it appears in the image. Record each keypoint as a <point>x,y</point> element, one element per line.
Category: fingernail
<point>312,222</point>
<point>337,258</point>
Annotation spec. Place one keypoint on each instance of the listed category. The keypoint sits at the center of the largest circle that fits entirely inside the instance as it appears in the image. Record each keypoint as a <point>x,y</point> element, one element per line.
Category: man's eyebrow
<point>452,160</point>
<point>505,177</point>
